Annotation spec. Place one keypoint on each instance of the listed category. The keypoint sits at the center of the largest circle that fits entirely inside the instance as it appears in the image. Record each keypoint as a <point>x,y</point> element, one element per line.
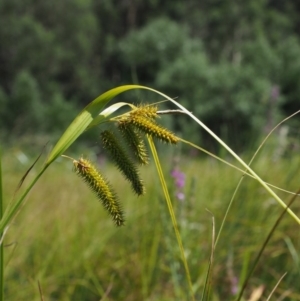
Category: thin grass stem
<point>221,142</point>
<point>233,166</point>
<point>264,246</point>
<point>208,280</point>
<point>275,287</point>
<point>271,192</point>
<point>252,159</point>
<point>172,214</point>
<point>227,210</point>
<point>261,145</point>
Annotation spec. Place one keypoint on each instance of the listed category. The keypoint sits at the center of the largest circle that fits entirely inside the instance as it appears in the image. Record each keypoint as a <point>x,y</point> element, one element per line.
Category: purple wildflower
<point>234,286</point>
<point>180,196</point>
<point>179,178</point>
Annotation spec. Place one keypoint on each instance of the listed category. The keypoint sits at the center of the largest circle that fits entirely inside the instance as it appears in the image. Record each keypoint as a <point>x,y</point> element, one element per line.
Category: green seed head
<point>146,111</point>
<point>135,141</point>
<point>153,129</point>
<point>86,171</point>
<point>122,160</point>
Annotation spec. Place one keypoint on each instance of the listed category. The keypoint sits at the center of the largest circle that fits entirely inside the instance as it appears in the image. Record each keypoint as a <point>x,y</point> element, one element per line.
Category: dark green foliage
<point>153,47</point>
<point>59,113</point>
<point>26,112</point>
<point>45,58</point>
<point>3,109</point>
<point>225,60</point>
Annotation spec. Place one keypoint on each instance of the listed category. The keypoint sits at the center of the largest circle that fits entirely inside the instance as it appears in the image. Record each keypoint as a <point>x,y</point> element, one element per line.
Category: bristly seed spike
<point>147,111</point>
<point>86,171</point>
<point>134,141</point>
<point>123,161</point>
<point>153,129</point>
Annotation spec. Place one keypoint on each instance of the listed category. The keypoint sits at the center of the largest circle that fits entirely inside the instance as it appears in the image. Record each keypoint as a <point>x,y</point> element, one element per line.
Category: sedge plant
<point>125,143</point>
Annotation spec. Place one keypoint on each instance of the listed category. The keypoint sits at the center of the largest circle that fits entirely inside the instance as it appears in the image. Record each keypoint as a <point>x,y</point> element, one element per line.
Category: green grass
<point>63,239</point>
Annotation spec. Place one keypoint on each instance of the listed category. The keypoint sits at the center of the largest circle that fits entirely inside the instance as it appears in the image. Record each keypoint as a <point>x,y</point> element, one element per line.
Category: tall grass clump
<point>123,137</point>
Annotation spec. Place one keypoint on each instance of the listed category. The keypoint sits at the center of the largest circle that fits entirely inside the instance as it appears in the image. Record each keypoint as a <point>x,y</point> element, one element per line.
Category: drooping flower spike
<point>85,170</point>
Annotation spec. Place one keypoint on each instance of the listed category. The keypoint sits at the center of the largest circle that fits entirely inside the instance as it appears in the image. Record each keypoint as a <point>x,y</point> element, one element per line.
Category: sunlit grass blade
<point>108,112</point>
<point>172,214</point>
<point>84,119</point>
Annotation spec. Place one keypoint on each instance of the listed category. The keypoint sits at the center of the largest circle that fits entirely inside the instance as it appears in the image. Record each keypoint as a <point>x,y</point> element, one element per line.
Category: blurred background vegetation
<point>64,239</point>
<point>235,64</point>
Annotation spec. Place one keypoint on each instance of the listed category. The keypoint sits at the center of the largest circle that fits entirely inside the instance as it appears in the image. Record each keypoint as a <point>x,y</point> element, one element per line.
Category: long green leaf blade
<point>84,119</point>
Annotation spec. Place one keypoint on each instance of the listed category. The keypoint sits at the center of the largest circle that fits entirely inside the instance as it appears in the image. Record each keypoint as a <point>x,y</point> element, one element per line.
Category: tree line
<point>235,64</point>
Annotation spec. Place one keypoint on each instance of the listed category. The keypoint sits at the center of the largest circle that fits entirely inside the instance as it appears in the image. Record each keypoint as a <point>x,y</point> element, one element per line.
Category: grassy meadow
<point>63,241</point>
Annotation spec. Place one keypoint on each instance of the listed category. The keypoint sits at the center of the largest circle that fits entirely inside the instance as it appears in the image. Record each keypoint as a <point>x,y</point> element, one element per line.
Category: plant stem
<point>271,192</point>
<point>172,214</point>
